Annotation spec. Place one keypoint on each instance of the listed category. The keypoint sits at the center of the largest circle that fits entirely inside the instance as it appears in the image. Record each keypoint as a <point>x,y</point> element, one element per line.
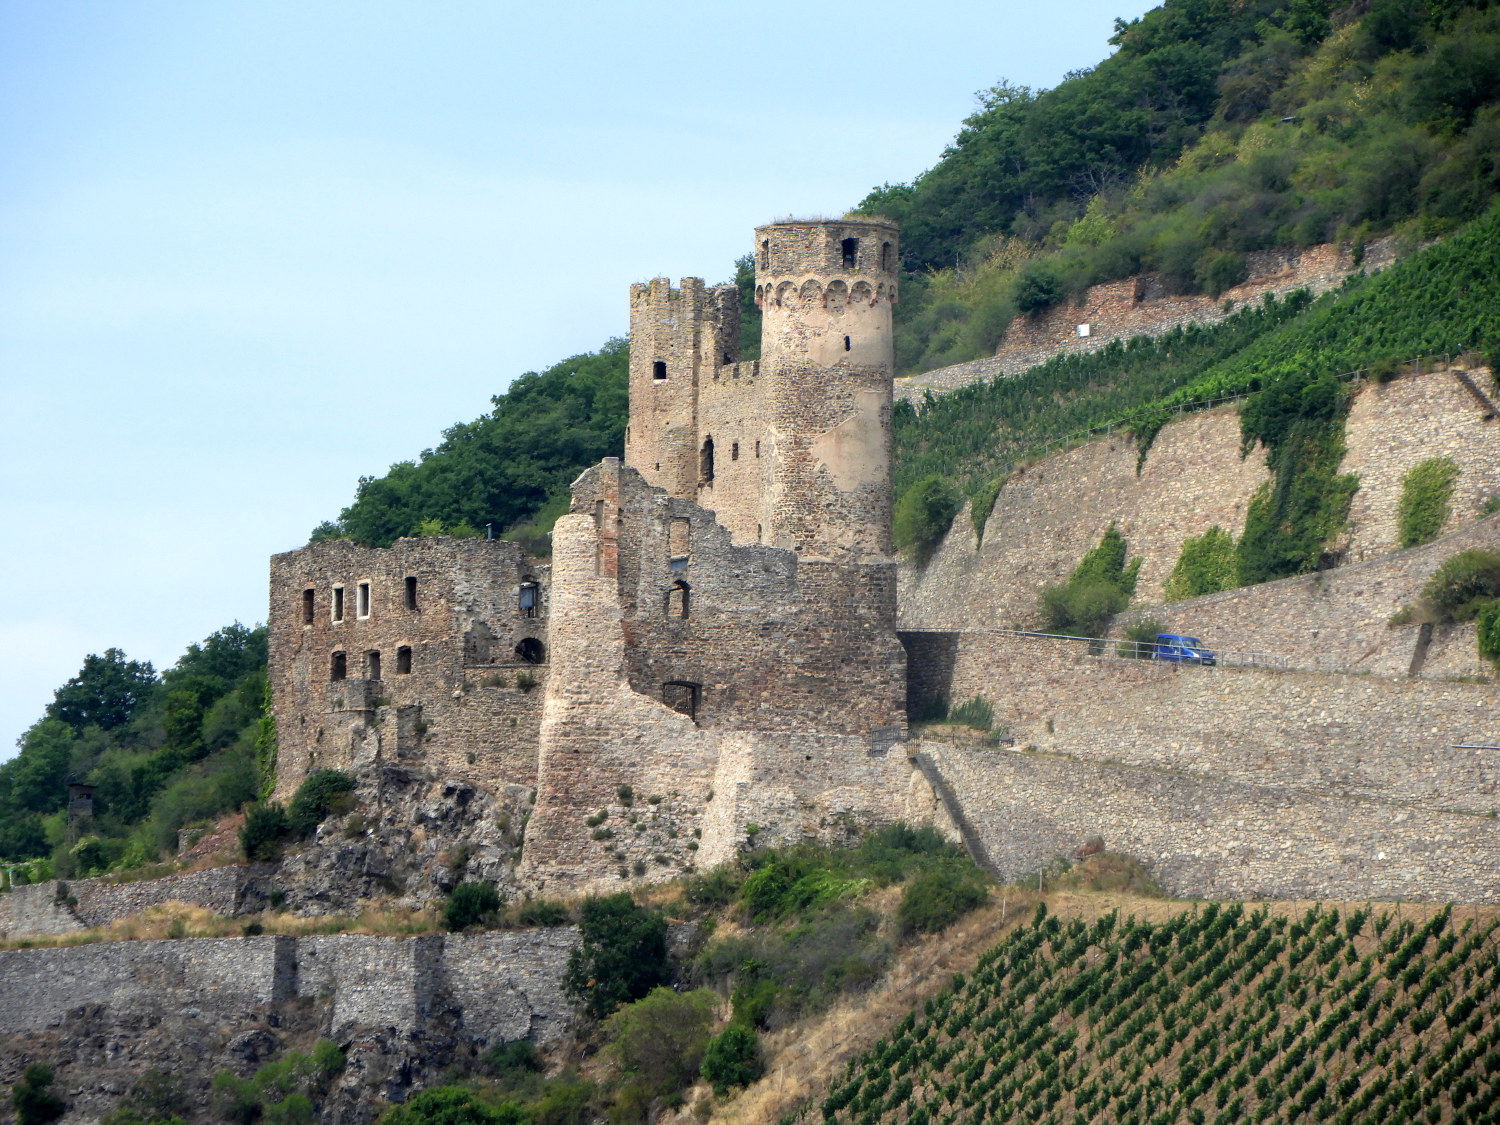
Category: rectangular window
<point>411,592</point>
<point>362,599</point>
<point>850,249</point>
<point>307,607</point>
<point>338,604</point>
<point>734,451</point>
<point>372,665</point>
<point>403,660</point>
<point>659,370</point>
<point>338,667</point>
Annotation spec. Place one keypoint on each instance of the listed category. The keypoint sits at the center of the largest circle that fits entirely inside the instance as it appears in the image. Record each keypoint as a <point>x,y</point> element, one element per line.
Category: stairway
<point>1484,400</point>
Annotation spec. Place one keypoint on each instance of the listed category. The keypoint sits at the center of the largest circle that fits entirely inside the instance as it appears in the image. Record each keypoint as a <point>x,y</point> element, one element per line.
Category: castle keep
<point>711,655</point>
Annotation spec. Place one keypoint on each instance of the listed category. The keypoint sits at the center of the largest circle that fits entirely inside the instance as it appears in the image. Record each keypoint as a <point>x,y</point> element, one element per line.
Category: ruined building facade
<point>711,657</point>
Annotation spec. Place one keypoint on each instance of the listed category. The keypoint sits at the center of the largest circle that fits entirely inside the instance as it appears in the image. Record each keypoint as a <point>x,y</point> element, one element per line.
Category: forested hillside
<point>163,752</point>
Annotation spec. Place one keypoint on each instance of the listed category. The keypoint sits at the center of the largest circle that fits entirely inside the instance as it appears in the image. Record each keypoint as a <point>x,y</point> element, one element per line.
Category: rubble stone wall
<point>35,911</point>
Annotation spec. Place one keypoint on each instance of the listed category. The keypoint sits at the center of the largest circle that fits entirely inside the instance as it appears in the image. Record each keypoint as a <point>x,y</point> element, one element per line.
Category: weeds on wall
<point>1208,564</point>
<point>922,517</point>
<point>1099,587</point>
<point>1292,520</point>
<point>1426,492</point>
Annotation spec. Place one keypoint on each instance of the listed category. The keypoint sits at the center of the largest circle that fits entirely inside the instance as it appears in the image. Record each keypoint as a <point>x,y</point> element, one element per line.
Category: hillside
<point>1217,1014</point>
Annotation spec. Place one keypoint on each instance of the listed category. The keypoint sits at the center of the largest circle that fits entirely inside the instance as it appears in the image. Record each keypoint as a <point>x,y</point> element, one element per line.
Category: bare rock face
<point>408,840</point>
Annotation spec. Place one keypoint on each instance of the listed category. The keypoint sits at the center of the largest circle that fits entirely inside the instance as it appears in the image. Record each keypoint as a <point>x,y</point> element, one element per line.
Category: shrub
<point>940,896</point>
<point>1037,290</point>
<point>470,904</point>
<point>318,795</point>
<point>732,1058</point>
<point>264,829</point>
<point>621,954</point>
<point>1140,639</point>
<point>1426,491</point>
<point>1206,565</point>
<point>660,1039</point>
<point>454,1105</point>
<point>1099,587</point>
<point>1460,587</point>
<point>922,516</point>
<point>541,912</point>
<point>33,1099</point>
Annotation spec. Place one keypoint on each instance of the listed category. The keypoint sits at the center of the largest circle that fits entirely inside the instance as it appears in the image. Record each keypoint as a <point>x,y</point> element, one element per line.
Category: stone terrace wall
<point>503,985</point>
<point>1049,514</point>
<point>1140,306</point>
<point>34,911</point>
<point>1337,617</point>
<point>1225,781</point>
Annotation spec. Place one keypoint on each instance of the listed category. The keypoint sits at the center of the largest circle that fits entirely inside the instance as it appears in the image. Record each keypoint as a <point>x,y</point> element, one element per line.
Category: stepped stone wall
<point>1227,782</point>
<point>1142,306</point>
<point>1049,514</point>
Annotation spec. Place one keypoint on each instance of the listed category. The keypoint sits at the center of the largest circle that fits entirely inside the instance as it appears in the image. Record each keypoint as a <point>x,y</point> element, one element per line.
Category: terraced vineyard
<point>1217,1015</point>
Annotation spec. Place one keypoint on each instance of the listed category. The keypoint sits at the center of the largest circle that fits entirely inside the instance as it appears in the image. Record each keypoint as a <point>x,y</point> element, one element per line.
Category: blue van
<point>1185,650</point>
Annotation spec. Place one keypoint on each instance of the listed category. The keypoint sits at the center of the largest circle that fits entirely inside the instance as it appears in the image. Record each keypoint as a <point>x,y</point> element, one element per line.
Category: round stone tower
<point>826,289</point>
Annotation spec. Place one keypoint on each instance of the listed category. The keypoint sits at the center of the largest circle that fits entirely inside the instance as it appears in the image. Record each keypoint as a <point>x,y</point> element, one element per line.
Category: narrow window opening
<point>372,665</point>
<point>846,343</point>
<point>765,254</point>
<point>411,592</point>
<point>678,598</point>
<point>734,451</point>
<point>362,599</point>
<point>728,359</point>
<point>338,603</point>
<point>403,660</point>
<point>659,370</point>
<point>757,449</point>
<point>527,598</point>
<point>683,697</point>
<point>706,461</point>
<point>885,256</point>
<point>338,667</point>
<point>307,607</point>
<point>531,651</point>
<point>850,249</point>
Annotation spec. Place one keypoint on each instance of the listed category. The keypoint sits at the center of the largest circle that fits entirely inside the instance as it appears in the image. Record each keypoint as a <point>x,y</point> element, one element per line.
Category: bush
<point>940,896</point>
<point>1140,639</point>
<point>1461,586</point>
<point>1207,565</point>
<point>453,1105</point>
<point>1426,491</point>
<point>732,1058</point>
<point>264,830</point>
<point>33,1099</point>
<point>470,904</point>
<point>660,1039</point>
<point>318,795</point>
<point>1099,587</point>
<point>541,912</point>
<point>1488,621</point>
<point>922,516</point>
<point>621,954</point>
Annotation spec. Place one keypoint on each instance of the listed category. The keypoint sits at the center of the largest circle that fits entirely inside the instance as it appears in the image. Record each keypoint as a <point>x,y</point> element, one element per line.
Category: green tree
<point>1099,587</point>
<point>470,904</point>
<point>621,954</point>
<point>263,833</point>
<point>105,693</point>
<point>320,793</point>
<point>922,516</point>
<point>732,1058</point>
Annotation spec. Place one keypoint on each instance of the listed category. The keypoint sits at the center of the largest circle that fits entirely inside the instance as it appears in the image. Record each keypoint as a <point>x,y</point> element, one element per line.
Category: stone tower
<point>826,289</point>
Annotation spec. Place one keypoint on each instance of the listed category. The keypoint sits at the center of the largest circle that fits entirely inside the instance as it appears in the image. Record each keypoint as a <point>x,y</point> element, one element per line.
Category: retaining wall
<point>1228,782</point>
<point>35,911</point>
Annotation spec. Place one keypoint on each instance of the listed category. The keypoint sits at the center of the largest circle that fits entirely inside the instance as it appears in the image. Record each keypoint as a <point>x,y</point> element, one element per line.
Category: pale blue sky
<point>251,251</point>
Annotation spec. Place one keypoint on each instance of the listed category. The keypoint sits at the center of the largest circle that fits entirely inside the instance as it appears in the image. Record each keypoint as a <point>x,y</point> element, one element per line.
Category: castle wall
<point>1141,306</point>
<point>776,701</point>
<point>1051,513</point>
<point>450,687</point>
<point>1227,782</point>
